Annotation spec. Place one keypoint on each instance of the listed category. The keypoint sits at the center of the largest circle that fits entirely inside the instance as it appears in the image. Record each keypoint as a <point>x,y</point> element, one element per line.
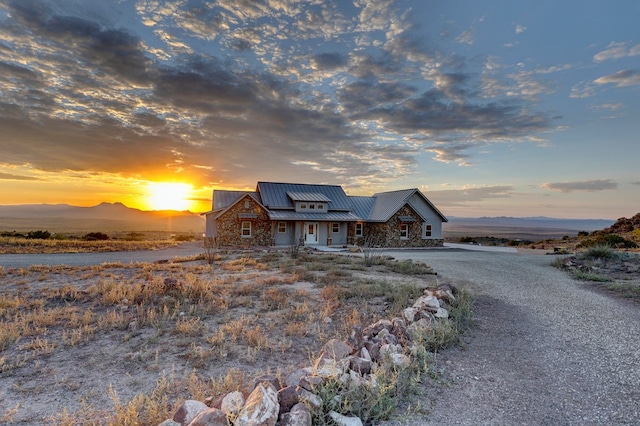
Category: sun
<point>168,196</point>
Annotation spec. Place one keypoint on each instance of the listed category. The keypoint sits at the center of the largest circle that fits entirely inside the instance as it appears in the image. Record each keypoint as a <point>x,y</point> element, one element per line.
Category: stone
<point>232,403</point>
<point>342,420</point>
<point>391,339</point>
<point>360,365</point>
<point>374,349</point>
<point>376,327</point>
<point>267,378</point>
<point>188,411</point>
<point>400,360</point>
<point>169,422</point>
<point>410,313</point>
<point>298,416</point>
<point>210,417</point>
<point>336,349</point>
<point>441,313</point>
<point>356,339</point>
<point>390,349</point>
<point>261,407</point>
<point>429,303</point>
<point>364,353</point>
<point>287,398</point>
<point>294,377</point>
<point>419,328</point>
<point>311,382</point>
<point>327,368</point>
<point>399,327</point>
<point>313,401</point>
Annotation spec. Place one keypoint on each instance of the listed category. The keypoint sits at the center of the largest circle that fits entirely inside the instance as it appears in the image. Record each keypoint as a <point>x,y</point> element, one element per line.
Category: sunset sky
<point>491,108</point>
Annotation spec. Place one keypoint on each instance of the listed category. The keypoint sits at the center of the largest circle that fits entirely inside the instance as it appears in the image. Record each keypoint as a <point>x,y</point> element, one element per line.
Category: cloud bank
<point>232,92</point>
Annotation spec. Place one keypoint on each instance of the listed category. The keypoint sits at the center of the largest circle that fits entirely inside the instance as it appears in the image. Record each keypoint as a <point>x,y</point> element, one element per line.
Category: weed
<point>604,252</point>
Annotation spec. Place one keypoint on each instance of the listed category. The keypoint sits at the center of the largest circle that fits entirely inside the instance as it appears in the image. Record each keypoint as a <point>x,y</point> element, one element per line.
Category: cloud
<point>582,186</point>
<point>9,176</point>
<point>237,91</point>
<point>621,78</point>
<point>466,37</point>
<point>470,194</point>
<point>520,29</point>
<point>637,182</point>
<point>616,51</point>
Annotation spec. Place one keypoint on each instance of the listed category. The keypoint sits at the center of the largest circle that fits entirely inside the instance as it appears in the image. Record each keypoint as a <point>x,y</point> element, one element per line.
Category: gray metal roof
<point>318,217</point>
<point>274,195</point>
<point>223,198</point>
<point>308,196</point>
<point>387,203</point>
<point>362,206</point>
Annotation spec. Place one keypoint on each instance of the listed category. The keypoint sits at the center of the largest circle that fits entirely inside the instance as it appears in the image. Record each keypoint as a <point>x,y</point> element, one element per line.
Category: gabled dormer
<point>309,202</point>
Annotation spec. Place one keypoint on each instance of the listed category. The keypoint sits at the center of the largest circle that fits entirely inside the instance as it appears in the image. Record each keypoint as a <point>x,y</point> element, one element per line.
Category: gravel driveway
<point>545,350</point>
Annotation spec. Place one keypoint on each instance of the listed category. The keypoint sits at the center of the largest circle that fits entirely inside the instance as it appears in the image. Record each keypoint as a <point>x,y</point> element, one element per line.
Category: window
<point>246,204</point>
<point>320,206</point>
<point>426,230</point>
<point>245,229</point>
<point>303,206</point>
<point>282,227</point>
<point>404,231</point>
<point>312,206</point>
<point>358,229</point>
<point>335,227</point>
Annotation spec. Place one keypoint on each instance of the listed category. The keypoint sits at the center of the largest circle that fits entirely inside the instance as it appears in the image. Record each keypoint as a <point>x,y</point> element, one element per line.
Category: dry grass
<point>98,337</point>
<point>12,245</point>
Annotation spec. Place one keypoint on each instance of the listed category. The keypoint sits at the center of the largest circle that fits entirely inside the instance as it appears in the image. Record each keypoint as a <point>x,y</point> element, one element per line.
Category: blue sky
<point>491,108</point>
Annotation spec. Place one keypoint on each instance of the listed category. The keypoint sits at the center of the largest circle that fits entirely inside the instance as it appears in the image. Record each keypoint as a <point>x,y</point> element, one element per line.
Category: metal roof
<point>362,206</point>
<point>387,203</point>
<point>308,196</point>
<point>318,217</point>
<point>274,195</point>
<point>223,198</point>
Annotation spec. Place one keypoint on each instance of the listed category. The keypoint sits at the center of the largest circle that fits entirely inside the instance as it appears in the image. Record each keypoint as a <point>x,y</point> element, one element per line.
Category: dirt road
<point>544,350</point>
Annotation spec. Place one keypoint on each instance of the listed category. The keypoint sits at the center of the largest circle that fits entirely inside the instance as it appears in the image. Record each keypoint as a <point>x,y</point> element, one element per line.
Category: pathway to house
<point>545,349</point>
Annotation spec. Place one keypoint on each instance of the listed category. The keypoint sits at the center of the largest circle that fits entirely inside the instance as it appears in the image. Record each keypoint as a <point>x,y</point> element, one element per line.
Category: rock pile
<point>293,401</point>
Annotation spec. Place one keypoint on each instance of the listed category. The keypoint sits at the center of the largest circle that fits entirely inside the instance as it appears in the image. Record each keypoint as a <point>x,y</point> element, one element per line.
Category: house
<point>285,214</point>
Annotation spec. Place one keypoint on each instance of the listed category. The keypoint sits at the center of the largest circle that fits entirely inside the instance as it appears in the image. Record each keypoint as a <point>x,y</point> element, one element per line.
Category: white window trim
<point>359,232</point>
<point>424,231</point>
<point>242,229</point>
<point>333,228</point>
<point>285,228</point>
<point>404,229</point>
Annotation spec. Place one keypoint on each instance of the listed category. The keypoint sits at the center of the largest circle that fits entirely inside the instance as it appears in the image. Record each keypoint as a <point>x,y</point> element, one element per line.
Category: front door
<point>311,232</point>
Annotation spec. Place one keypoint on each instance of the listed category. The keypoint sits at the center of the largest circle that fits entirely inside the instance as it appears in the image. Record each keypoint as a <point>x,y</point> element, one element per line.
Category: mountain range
<point>105,217</point>
<point>108,217</point>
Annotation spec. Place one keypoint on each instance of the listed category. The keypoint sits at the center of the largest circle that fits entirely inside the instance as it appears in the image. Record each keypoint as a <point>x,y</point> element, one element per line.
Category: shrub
<point>604,252</point>
<point>95,236</point>
<point>611,240</point>
<point>38,235</point>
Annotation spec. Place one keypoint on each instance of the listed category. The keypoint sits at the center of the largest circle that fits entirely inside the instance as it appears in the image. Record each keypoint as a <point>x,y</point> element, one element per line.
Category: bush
<point>603,252</point>
<point>38,235</point>
<point>611,240</point>
<point>95,236</point>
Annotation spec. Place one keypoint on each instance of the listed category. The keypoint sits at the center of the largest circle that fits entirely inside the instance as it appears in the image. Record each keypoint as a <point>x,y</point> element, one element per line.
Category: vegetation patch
<point>142,338</point>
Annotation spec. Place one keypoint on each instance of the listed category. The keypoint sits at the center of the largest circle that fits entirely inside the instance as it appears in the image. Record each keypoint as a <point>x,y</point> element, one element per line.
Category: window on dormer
<point>312,206</point>
<point>303,206</point>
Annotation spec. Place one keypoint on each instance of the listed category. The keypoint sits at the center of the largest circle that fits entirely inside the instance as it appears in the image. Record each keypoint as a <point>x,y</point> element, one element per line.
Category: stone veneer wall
<point>388,234</point>
<point>229,225</point>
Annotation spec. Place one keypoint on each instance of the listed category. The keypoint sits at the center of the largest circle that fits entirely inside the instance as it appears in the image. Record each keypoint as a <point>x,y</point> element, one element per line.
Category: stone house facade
<point>284,214</point>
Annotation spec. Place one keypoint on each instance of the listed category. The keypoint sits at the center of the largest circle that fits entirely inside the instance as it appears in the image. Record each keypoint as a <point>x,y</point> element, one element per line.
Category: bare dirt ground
<point>77,341</point>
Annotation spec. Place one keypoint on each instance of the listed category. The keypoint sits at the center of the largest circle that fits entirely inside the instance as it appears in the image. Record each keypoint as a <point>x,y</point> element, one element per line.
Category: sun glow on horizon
<point>168,196</point>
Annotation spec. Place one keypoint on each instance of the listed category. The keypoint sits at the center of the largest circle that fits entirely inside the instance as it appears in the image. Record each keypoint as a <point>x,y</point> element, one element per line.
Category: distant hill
<point>533,228</point>
<point>107,217</point>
